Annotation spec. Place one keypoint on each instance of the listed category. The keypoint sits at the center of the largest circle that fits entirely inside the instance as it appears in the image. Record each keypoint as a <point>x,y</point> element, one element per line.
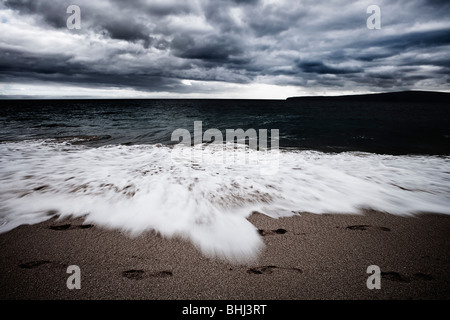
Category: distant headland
<point>429,96</point>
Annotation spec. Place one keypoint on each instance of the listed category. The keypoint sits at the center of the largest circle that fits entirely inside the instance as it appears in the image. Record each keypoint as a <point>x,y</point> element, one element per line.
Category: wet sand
<point>305,257</point>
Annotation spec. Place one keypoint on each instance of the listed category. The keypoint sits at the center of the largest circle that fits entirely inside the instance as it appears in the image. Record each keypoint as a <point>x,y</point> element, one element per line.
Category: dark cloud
<point>154,45</point>
<point>123,29</point>
<point>321,68</point>
<point>18,66</point>
<point>211,48</point>
<point>413,40</point>
<point>269,26</point>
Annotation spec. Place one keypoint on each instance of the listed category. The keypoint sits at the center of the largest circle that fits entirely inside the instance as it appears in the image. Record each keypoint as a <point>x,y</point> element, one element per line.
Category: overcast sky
<point>221,49</point>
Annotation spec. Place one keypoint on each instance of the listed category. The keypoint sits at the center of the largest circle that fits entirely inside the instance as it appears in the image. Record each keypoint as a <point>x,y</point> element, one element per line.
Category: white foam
<point>140,188</point>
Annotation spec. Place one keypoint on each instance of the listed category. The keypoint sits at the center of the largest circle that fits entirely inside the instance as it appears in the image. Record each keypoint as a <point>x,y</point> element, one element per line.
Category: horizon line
<point>6,98</point>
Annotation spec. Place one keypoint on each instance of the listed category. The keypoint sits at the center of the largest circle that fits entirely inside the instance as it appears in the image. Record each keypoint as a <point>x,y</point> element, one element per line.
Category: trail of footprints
<point>139,274</point>
<point>391,275</point>
<point>134,274</point>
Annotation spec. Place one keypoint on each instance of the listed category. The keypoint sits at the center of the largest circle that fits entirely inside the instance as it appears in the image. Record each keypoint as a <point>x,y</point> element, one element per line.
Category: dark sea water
<point>114,163</point>
<point>379,127</point>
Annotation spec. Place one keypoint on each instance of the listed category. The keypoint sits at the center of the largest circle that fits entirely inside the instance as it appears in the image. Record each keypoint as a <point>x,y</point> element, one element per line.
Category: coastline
<point>318,257</point>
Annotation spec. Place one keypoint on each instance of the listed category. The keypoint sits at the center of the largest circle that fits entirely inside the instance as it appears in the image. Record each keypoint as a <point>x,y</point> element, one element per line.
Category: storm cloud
<point>224,48</point>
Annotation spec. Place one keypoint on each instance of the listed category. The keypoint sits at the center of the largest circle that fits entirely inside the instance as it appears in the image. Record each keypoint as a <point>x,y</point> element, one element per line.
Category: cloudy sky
<point>221,49</point>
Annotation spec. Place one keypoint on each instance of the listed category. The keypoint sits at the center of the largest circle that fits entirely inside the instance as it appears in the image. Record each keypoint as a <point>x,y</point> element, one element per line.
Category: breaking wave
<point>203,198</point>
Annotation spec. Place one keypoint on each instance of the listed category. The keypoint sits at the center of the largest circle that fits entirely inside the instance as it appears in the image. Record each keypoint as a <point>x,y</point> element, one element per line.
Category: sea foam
<point>207,200</point>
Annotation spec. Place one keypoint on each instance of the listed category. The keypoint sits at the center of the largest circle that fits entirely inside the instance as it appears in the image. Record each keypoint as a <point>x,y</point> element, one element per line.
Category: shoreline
<point>311,256</point>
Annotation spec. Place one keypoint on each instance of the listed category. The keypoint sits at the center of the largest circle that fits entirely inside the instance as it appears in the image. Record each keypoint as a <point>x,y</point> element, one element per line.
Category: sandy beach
<point>305,257</point>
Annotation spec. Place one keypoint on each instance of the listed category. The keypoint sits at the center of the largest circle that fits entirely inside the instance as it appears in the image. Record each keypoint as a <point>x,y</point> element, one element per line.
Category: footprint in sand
<point>270,269</point>
<point>133,274</point>
<point>69,226</point>
<point>33,264</point>
<point>141,274</point>
<point>397,277</point>
<point>60,227</point>
<point>363,227</point>
<point>261,270</point>
<point>37,263</point>
<point>271,232</point>
<point>85,226</point>
<point>394,276</point>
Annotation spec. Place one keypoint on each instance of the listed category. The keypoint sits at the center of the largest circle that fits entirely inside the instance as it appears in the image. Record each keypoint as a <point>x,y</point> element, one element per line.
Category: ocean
<point>116,163</point>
